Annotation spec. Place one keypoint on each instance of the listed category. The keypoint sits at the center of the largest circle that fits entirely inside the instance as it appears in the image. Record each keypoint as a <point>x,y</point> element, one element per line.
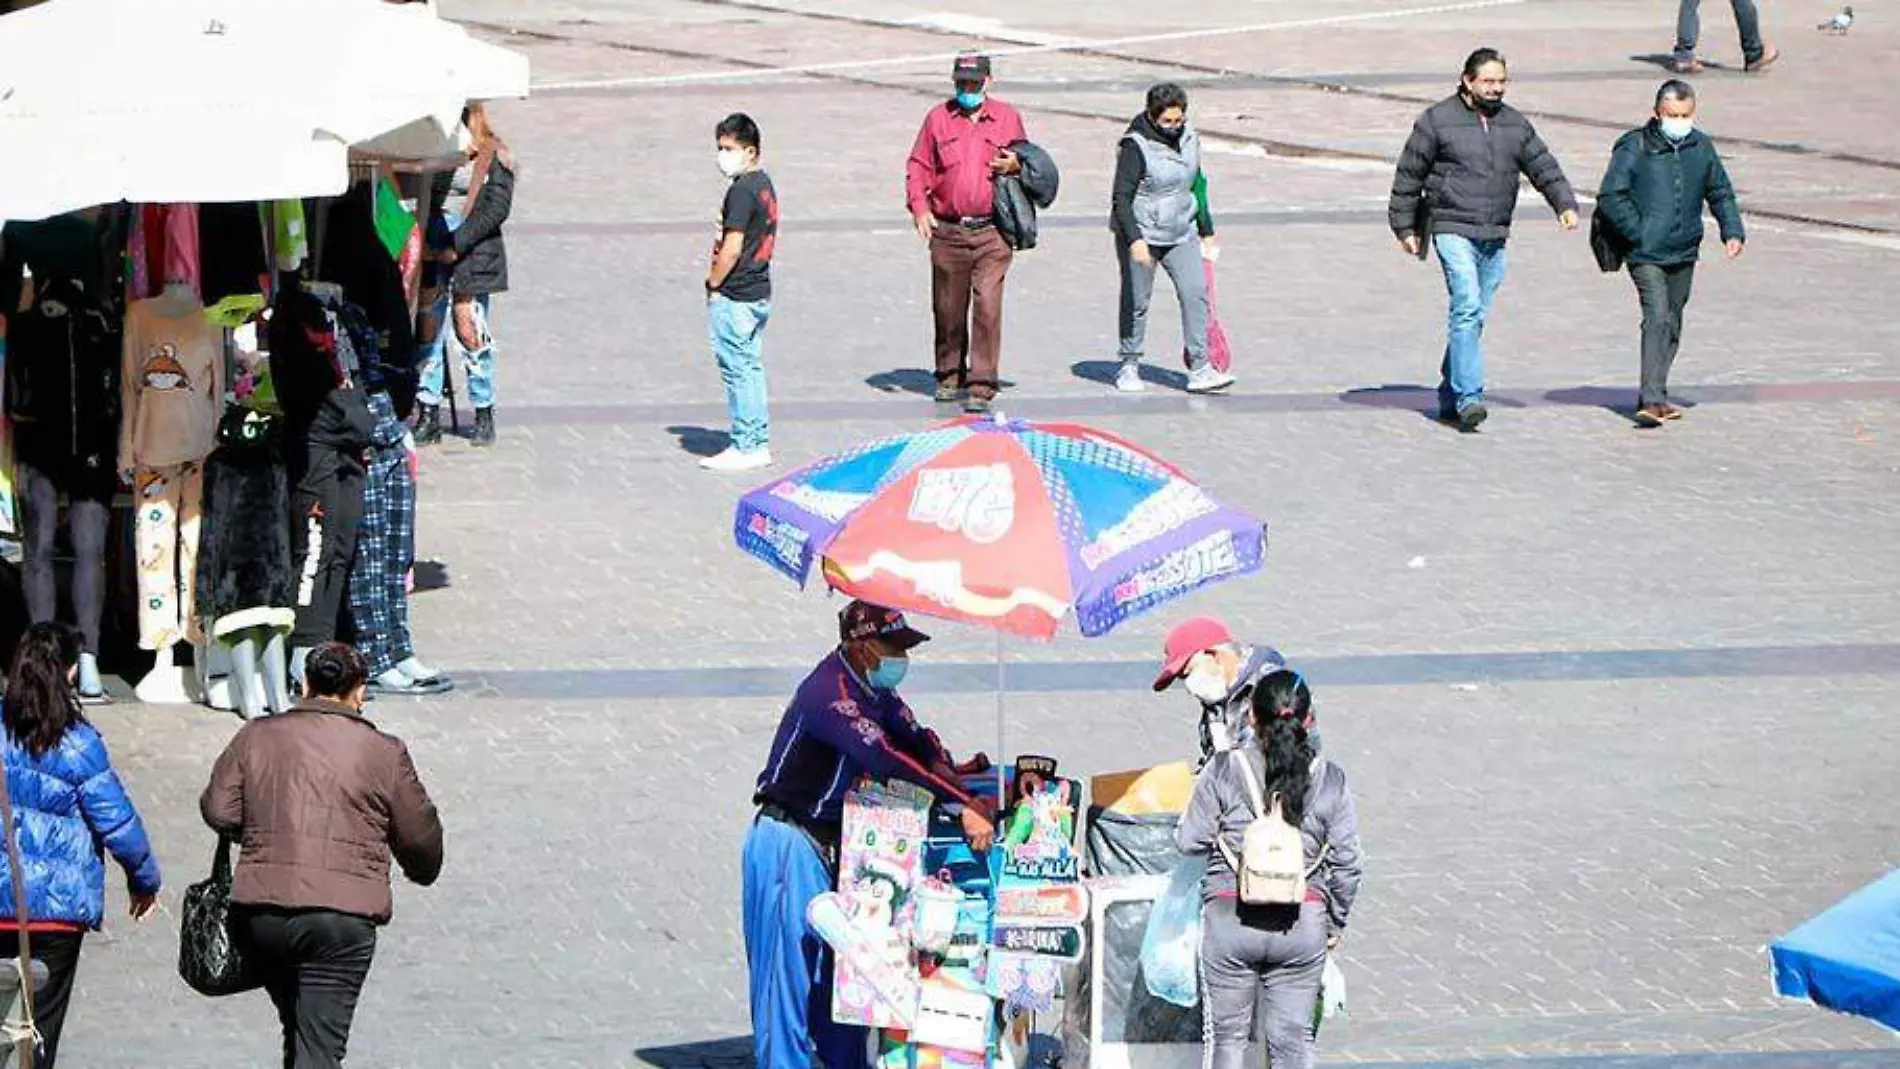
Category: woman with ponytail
<point>1281,950</point>
<point>69,808</point>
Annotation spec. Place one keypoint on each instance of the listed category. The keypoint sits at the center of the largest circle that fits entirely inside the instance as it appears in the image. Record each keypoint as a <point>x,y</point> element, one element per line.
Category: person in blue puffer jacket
<point>69,808</point>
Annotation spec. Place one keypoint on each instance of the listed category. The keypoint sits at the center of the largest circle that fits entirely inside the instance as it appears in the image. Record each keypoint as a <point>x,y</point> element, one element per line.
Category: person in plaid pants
<point>385,550</point>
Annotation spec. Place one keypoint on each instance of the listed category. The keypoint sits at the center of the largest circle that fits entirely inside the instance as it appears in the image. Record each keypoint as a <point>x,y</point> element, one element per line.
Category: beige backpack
<point>1271,868</point>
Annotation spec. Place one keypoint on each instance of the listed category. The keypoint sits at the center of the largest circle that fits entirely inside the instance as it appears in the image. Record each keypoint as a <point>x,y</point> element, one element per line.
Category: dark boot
<point>484,426</point>
<point>428,424</point>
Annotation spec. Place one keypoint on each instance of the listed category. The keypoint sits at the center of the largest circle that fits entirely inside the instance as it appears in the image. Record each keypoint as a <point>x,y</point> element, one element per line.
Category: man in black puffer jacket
<point>1456,187</point>
<point>1660,176</point>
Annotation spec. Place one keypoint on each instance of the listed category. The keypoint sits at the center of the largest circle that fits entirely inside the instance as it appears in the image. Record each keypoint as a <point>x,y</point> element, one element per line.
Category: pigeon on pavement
<point>1839,23</point>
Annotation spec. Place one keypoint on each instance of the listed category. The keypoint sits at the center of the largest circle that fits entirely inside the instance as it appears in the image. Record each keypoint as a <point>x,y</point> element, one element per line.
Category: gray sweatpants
<point>1265,955</point>
<point>1183,264</point>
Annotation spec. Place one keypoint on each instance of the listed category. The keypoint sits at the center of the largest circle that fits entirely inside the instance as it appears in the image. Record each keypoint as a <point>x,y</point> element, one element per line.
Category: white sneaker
<point>1205,379</point>
<point>1128,379</point>
<point>738,460</point>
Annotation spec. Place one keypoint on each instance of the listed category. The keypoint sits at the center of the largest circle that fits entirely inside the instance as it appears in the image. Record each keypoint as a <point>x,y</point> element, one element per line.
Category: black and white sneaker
<point>1471,417</point>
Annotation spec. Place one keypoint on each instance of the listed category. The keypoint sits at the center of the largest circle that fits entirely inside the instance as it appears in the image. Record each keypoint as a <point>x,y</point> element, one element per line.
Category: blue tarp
<point>1847,958</point>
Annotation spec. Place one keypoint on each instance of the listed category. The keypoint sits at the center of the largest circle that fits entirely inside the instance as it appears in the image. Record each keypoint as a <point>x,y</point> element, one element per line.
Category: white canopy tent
<point>155,101</point>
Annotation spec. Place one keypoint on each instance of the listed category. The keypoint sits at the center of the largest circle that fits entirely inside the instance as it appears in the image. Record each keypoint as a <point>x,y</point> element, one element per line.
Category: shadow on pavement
<point>1104,372</point>
<point>699,441</point>
<point>734,1053</point>
<point>904,380</point>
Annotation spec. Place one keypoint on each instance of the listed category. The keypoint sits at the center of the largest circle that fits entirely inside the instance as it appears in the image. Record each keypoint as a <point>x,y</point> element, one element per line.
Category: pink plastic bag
<point>1219,354</point>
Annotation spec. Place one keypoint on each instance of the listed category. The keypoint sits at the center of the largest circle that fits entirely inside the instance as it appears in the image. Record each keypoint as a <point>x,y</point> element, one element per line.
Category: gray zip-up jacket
<point>1222,805</point>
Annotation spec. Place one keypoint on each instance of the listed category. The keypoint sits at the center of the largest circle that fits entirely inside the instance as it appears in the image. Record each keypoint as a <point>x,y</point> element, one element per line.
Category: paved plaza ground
<point>1618,705</point>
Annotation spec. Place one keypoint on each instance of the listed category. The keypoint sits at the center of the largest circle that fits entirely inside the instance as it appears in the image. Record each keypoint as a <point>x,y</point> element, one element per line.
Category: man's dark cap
<point>970,68</point>
<point>862,620</point>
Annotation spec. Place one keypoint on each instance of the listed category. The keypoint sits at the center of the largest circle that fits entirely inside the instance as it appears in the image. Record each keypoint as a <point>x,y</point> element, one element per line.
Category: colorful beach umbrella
<point>1848,957</point>
<point>1004,523</point>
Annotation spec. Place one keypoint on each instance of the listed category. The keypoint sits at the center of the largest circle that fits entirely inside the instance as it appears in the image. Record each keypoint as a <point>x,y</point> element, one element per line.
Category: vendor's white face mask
<point>1208,683</point>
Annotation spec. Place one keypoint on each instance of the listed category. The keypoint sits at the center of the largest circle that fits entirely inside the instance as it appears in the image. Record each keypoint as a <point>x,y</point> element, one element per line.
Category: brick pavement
<point>1613,702</point>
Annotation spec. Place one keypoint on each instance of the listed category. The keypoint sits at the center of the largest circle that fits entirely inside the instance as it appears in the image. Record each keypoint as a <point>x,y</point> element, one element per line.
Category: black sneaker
<point>1471,418</point>
<point>484,427</point>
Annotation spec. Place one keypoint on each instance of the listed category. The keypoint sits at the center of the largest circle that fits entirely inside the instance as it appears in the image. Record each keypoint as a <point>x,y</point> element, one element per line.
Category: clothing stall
<point>230,381</point>
<point>208,342</point>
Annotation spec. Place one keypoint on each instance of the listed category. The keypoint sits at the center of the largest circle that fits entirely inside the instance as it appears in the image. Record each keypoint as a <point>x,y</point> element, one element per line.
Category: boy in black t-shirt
<point>739,293</point>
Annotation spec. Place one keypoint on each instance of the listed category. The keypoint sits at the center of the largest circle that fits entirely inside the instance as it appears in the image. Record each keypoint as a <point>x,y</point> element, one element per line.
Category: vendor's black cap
<point>971,68</point>
<point>862,620</point>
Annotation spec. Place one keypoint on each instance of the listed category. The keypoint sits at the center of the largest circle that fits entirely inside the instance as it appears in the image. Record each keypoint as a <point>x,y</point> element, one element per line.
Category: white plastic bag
<point>1332,993</point>
<point>1171,947</point>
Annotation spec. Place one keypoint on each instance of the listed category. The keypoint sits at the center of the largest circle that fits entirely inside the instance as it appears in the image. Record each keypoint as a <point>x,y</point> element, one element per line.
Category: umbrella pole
<point>1002,785</point>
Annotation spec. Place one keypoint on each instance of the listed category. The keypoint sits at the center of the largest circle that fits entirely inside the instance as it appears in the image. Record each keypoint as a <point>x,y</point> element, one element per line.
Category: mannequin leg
<point>243,671</point>
<point>39,524</point>
<point>87,522</point>
<point>276,691</point>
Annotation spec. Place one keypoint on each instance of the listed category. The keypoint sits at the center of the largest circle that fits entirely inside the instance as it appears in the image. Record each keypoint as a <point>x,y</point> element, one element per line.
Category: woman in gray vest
<point>1272,955</point>
<point>1157,219</point>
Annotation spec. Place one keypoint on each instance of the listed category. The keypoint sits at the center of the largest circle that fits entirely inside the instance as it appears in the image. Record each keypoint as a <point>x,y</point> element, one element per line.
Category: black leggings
<point>86,515</point>
<point>59,952</point>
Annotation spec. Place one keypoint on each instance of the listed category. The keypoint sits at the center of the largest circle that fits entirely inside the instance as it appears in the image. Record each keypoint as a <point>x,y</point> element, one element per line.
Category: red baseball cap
<point>1188,638</point>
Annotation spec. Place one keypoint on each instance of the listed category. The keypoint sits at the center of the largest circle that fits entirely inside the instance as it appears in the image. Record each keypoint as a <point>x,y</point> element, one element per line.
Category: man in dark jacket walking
<point>1660,176</point>
<point>1456,186</point>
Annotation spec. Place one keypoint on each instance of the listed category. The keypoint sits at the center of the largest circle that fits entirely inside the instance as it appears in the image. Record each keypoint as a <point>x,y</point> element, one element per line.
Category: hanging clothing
<point>172,384</point>
<point>161,247</point>
<point>328,427</point>
<point>232,258</point>
<point>355,258</point>
<point>170,388</point>
<point>385,547</point>
<point>245,577</point>
<point>62,386</point>
<point>165,539</point>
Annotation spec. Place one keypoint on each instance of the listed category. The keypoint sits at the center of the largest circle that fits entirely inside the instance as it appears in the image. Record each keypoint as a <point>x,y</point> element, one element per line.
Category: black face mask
<point>1488,107</point>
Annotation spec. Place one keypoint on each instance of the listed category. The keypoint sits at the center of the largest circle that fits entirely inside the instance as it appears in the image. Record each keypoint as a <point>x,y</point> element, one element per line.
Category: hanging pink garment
<point>181,263</point>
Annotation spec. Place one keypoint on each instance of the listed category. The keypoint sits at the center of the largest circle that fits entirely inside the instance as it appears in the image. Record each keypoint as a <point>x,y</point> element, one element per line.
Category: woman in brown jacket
<point>319,800</point>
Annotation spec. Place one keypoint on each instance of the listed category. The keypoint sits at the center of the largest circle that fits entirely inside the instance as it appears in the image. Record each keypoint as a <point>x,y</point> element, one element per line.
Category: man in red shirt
<point>963,146</point>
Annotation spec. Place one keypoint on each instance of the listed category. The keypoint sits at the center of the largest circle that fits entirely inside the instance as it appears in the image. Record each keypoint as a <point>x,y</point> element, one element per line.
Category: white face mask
<point>1208,684</point>
<point>1676,129</point>
<point>731,162</point>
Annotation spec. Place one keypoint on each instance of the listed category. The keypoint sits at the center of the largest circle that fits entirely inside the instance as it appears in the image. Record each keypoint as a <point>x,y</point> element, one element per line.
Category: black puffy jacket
<point>1019,195</point>
<point>1468,165</point>
<point>481,265</point>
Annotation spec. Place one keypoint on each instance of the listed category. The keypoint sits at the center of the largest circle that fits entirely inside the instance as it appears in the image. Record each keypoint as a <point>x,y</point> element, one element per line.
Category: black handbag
<point>208,956</point>
<point>1607,244</point>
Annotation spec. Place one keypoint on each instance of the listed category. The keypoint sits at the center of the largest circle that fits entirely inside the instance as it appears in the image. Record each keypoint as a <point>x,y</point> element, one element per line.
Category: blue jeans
<point>737,329</point>
<point>1473,271</point>
<point>478,365</point>
<point>790,970</point>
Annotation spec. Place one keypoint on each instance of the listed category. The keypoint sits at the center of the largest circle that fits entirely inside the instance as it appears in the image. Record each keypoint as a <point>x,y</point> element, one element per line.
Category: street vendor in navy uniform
<point>845,721</point>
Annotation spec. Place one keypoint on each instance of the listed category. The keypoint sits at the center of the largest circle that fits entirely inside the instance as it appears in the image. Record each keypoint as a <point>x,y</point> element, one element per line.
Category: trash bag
<point>208,957</point>
<point>1171,947</point>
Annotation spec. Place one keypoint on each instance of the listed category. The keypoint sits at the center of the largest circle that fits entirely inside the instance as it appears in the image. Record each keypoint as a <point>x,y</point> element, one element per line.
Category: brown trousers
<point>967,264</point>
